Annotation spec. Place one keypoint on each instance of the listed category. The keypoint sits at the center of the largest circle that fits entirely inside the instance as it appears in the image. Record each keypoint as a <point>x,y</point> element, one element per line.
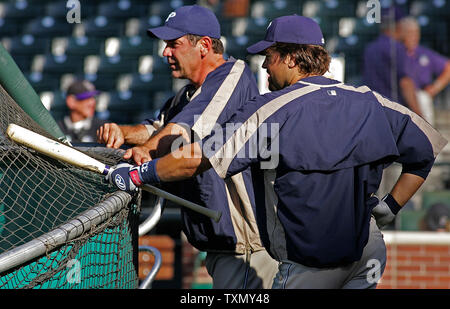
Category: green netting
<point>104,260</point>
<point>39,194</point>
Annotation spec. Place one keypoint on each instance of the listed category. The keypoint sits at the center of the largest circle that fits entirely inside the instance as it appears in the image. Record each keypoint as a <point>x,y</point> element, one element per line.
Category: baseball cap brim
<point>165,33</point>
<point>87,95</point>
<point>260,46</point>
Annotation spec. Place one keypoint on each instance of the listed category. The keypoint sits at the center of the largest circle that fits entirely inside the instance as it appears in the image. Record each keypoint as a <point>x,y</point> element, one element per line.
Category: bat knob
<point>106,170</point>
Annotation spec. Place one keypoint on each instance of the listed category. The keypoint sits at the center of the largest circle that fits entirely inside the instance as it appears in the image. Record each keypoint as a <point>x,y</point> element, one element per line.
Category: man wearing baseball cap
<point>81,125</point>
<point>315,206</point>
<point>236,257</point>
<point>385,62</point>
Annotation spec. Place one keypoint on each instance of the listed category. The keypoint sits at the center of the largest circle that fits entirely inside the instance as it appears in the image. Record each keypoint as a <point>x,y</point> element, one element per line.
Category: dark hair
<point>311,59</point>
<point>217,44</point>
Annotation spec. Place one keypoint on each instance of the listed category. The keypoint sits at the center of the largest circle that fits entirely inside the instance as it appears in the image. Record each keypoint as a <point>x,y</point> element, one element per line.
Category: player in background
<point>385,69</point>
<point>81,125</point>
<point>235,257</point>
<point>316,201</point>
<point>429,70</point>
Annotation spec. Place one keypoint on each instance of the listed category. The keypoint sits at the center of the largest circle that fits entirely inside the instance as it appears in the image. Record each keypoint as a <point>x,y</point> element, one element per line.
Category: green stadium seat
<point>102,81</point>
<point>358,26</point>
<point>59,9</point>
<point>236,46</point>
<point>28,45</point>
<point>21,9</point>
<point>139,26</point>
<point>163,8</point>
<point>43,82</point>
<point>160,66</point>
<point>124,106</point>
<point>120,10</point>
<point>137,46</point>
<point>23,62</point>
<point>251,27</point>
<point>83,46</point>
<point>329,8</point>
<point>101,27</point>
<point>145,82</point>
<point>116,64</point>
<point>274,8</point>
<point>49,27</point>
<point>437,8</point>
<point>62,64</point>
<point>9,27</point>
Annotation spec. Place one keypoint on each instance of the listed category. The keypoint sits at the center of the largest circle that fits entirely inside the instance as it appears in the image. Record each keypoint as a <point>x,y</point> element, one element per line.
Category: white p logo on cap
<point>173,14</point>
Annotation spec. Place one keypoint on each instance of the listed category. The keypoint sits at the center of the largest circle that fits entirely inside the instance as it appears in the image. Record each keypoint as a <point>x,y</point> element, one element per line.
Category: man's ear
<point>290,61</point>
<point>205,45</point>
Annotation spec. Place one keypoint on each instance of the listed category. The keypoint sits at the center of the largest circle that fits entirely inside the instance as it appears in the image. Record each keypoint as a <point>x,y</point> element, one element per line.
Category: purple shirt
<point>385,61</point>
<point>424,65</point>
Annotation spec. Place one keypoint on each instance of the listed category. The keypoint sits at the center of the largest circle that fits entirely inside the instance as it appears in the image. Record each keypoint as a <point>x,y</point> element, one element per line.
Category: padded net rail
<point>39,194</point>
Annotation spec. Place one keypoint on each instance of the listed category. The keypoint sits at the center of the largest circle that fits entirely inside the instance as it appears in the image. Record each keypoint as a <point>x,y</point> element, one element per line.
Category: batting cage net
<point>60,226</point>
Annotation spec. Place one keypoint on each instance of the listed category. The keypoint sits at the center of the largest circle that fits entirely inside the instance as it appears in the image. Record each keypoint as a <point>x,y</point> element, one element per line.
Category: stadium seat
<point>437,8</point>
<point>9,27</point>
<point>144,82</point>
<point>139,26</point>
<point>59,9</point>
<point>329,8</point>
<point>100,27</point>
<point>357,26</point>
<point>163,8</point>
<point>272,9</point>
<point>55,102</point>
<point>124,106</point>
<point>352,49</point>
<point>434,33</point>
<point>48,27</point>
<point>27,44</point>
<point>83,46</point>
<point>58,64</point>
<point>43,82</point>
<point>21,9</point>
<point>102,81</point>
<point>236,46</point>
<point>120,10</point>
<point>158,66</point>
<point>136,46</point>
<point>251,27</point>
<point>116,64</point>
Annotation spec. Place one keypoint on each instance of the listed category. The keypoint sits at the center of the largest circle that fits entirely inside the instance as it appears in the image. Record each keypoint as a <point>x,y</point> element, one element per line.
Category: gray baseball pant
<point>230,271</point>
<point>362,274</point>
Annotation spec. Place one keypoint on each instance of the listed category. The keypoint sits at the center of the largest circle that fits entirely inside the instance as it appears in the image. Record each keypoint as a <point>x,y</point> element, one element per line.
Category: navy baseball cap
<point>290,29</point>
<point>191,19</point>
<point>82,90</point>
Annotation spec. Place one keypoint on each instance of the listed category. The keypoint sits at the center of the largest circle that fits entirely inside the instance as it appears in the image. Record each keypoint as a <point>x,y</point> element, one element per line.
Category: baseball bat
<point>77,158</point>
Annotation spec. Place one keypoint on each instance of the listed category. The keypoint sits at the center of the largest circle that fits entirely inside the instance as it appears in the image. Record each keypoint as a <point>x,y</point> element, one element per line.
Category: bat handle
<point>215,215</point>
